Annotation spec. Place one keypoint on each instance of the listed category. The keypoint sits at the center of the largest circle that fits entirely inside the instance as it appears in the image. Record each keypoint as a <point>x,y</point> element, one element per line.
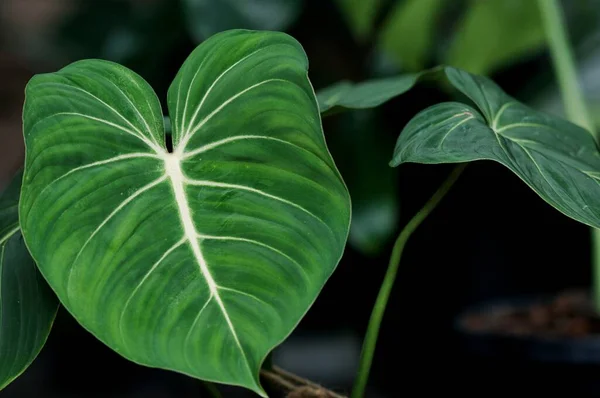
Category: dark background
<point>492,237</point>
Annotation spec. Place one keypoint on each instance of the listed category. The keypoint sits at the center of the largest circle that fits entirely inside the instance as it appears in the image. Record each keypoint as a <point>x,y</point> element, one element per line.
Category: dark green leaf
<point>345,95</point>
<point>202,260</point>
<point>27,305</point>
<point>205,18</point>
<point>557,159</point>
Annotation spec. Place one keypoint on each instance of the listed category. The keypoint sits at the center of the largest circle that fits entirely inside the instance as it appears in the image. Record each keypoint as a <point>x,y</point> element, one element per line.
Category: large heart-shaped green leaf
<point>557,159</point>
<point>27,304</point>
<point>201,260</point>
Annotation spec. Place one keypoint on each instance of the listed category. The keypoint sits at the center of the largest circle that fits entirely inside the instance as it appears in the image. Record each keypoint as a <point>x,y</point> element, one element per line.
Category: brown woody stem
<point>297,386</point>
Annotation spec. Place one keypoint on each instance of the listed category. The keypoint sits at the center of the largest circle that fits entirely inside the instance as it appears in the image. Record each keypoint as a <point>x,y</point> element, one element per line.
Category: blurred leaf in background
<point>360,16</point>
<point>207,17</point>
<point>345,95</point>
<point>494,33</point>
<point>408,32</point>
<point>141,35</point>
<point>104,29</point>
<point>359,145</point>
<point>595,110</point>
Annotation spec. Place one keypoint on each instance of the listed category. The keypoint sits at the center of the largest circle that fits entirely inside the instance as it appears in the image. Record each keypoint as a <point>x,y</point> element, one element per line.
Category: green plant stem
<point>564,64</point>
<point>212,390</point>
<point>370,341</point>
<point>573,100</point>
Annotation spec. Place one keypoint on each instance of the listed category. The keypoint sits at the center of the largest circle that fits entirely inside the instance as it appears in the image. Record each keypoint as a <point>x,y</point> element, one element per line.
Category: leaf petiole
<point>212,390</point>
<point>370,340</point>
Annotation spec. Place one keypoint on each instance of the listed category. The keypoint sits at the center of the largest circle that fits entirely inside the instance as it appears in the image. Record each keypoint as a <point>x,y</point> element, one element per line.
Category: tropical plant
<point>199,247</point>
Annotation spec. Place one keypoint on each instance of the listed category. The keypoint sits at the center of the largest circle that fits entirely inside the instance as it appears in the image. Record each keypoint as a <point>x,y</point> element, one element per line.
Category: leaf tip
<point>396,159</point>
<point>257,387</point>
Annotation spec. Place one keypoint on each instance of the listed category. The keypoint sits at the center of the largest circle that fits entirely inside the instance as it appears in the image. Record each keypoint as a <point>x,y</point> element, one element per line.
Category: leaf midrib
<point>177,180</point>
<point>521,143</point>
<point>497,130</point>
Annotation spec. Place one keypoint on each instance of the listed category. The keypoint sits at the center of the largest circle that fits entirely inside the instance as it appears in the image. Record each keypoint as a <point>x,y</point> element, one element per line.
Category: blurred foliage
<point>408,32</point>
<point>361,148</point>
<point>382,39</point>
<point>488,35</point>
<point>360,16</point>
<point>140,35</point>
<point>494,33</point>
<point>595,111</point>
<point>207,17</point>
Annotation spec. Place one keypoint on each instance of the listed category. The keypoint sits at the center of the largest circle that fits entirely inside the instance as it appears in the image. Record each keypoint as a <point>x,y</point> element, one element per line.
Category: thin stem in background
<point>212,390</point>
<point>573,101</point>
<point>370,341</point>
<point>564,64</point>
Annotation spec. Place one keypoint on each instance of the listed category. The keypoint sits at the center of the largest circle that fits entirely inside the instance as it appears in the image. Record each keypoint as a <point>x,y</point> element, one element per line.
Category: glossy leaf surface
<point>201,260</point>
<point>557,159</point>
<point>27,304</point>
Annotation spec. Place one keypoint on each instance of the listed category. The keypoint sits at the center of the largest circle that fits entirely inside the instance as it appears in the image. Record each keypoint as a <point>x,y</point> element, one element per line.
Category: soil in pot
<point>569,315</point>
<point>542,345</point>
